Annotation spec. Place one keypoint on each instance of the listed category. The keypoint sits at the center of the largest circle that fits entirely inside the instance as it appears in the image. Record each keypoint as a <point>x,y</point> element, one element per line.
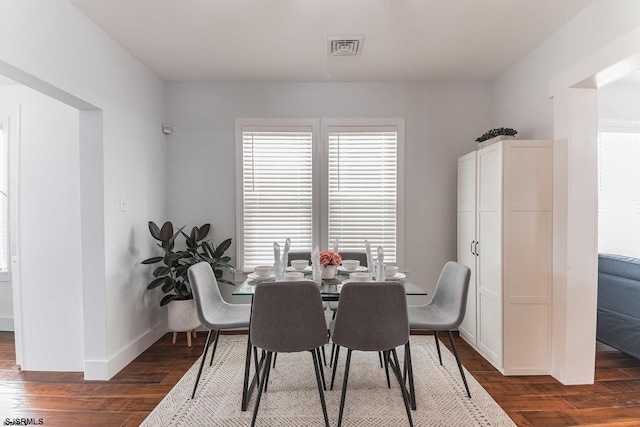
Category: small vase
<point>329,271</point>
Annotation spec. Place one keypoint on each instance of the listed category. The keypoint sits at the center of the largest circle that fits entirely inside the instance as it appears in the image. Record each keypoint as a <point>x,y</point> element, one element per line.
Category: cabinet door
<point>489,235</point>
<point>467,238</point>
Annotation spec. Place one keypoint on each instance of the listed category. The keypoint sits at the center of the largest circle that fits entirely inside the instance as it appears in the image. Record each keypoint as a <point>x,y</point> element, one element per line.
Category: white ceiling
<point>286,40</point>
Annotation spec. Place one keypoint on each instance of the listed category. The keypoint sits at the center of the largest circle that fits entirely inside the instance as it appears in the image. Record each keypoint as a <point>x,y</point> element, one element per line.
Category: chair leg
<point>380,357</point>
<point>344,387</point>
<point>266,380</point>
<point>386,368</point>
<point>204,356</point>
<point>317,352</point>
<point>333,350</point>
<point>335,366</point>
<point>215,345</point>
<point>324,356</point>
<point>261,385</point>
<point>412,390</point>
<point>455,353</point>
<point>275,356</point>
<point>247,368</point>
<point>257,362</point>
<point>435,334</point>
<point>405,397</point>
<point>321,386</point>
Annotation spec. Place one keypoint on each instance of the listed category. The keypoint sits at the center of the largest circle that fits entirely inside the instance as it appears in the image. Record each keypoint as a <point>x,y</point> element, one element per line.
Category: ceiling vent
<point>345,45</point>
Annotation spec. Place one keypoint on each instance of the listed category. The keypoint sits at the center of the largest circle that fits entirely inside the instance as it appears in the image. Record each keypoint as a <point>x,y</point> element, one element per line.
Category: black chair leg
<point>333,350</point>
<point>324,356</point>
<point>335,366</point>
<point>396,369</point>
<point>317,353</point>
<point>344,387</point>
<point>320,389</point>
<point>455,353</point>
<point>266,380</point>
<point>215,345</point>
<point>386,368</point>
<point>275,356</point>
<point>261,385</point>
<point>247,368</point>
<point>435,334</point>
<point>257,362</point>
<point>380,357</point>
<point>412,390</point>
<point>204,356</point>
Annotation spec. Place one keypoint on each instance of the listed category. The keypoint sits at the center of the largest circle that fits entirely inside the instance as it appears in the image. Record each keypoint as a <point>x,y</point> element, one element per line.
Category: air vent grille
<point>345,45</point>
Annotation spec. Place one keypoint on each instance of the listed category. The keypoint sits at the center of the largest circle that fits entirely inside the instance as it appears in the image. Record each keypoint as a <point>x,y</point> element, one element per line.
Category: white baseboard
<point>103,370</point>
<point>6,324</point>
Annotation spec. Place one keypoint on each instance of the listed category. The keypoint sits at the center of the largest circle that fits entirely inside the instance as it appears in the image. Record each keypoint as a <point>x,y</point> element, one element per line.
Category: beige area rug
<point>292,397</point>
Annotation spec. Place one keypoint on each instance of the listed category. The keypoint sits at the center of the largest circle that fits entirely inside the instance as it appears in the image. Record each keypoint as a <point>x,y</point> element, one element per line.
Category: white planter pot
<point>329,271</point>
<point>182,315</point>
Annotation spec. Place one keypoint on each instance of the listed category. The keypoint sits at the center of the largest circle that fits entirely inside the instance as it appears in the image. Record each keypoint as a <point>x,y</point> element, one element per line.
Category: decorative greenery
<point>172,274</point>
<point>497,132</point>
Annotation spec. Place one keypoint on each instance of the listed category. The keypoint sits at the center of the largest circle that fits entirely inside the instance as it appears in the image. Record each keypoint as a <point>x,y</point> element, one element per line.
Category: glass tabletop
<point>330,289</point>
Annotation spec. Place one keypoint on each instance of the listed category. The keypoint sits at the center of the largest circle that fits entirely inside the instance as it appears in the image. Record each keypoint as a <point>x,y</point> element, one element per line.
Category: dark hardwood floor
<point>64,399</point>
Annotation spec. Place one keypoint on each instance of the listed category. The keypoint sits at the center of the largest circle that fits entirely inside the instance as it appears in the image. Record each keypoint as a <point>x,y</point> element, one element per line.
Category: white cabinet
<point>505,237</point>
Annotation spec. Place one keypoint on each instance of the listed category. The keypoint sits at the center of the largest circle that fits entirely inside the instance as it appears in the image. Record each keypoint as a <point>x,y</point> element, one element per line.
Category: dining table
<point>329,291</point>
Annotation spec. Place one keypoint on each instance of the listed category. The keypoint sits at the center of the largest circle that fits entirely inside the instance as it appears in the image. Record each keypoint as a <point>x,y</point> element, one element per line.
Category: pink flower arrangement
<point>330,258</point>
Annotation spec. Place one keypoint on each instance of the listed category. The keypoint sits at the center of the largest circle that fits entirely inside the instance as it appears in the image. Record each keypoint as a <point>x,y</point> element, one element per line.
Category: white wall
<point>54,46</point>
<point>522,91</point>
<point>522,102</point>
<point>442,121</point>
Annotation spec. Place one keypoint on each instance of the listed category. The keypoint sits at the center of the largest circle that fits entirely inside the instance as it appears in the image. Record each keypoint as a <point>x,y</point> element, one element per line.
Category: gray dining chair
<point>214,312</point>
<point>333,305</point>
<point>372,317</point>
<point>446,310</point>
<point>288,318</point>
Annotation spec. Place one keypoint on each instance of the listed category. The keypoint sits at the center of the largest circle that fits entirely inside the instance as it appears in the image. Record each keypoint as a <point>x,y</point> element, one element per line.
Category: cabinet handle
<point>476,250</point>
<point>472,242</point>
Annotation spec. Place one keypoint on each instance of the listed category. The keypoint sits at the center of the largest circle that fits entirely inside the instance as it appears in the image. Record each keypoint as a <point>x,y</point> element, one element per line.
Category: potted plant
<point>503,133</point>
<point>330,261</point>
<point>171,274</point>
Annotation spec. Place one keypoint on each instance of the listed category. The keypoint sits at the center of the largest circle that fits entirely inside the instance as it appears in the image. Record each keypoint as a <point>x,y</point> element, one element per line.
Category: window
<point>362,199</point>
<point>4,195</point>
<point>293,183</point>
<point>618,193</point>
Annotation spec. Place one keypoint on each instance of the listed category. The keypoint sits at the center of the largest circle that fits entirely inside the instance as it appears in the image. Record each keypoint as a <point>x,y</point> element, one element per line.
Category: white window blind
<point>363,189</point>
<point>277,192</point>
<point>619,194</point>
<point>4,197</point>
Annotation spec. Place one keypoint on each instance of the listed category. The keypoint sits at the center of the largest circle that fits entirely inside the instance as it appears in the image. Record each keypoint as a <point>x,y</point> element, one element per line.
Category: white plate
<point>344,270</point>
<point>255,276</point>
<point>307,269</point>
<point>398,276</point>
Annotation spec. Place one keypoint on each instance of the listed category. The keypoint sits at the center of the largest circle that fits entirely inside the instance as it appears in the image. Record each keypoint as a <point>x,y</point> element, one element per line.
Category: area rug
<point>292,396</point>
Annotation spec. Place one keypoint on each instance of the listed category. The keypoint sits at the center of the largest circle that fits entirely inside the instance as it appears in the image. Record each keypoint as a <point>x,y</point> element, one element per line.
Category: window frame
<point>396,124</point>
<point>5,276</point>
<point>266,124</point>
<point>320,129</point>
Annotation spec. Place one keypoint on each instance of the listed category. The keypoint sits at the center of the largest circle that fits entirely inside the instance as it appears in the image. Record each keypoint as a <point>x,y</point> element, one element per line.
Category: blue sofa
<point>619,303</point>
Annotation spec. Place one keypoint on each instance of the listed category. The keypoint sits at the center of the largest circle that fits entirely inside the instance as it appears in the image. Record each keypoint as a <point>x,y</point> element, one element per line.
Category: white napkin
<point>276,261</point>
<point>335,246</point>
<point>285,257</point>
<point>380,267</point>
<point>316,267</point>
<point>370,266</point>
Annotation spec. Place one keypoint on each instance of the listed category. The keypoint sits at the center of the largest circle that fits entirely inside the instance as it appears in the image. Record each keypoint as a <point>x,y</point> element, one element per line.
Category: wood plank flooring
<point>63,398</point>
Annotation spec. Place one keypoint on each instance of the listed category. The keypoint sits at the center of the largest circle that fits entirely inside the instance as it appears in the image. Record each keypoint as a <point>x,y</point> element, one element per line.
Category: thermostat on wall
<point>167,129</point>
